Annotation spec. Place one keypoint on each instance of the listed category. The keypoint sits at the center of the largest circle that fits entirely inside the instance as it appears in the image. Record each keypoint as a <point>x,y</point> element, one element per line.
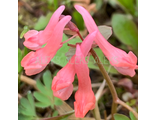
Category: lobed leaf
<point>120,117</point>
<point>42,98</point>
<point>47,79</point>
<point>23,117</point>
<point>57,101</point>
<point>26,106</point>
<point>41,105</point>
<point>43,89</point>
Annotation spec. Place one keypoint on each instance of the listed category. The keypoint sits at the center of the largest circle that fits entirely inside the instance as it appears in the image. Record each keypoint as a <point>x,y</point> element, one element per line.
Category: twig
<point>28,81</point>
<point>98,93</point>
<point>104,91</point>
<point>110,116</point>
<point>128,107</point>
<point>105,114</point>
<point>97,112</point>
<point>97,96</point>
<point>28,7</point>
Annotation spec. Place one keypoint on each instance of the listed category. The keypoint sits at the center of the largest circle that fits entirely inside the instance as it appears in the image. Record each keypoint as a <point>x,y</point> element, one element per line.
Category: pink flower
<point>34,39</point>
<point>123,62</point>
<point>84,97</point>
<point>35,62</point>
<point>62,83</point>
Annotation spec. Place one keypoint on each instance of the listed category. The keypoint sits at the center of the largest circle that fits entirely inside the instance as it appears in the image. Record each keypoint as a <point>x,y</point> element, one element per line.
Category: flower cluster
<point>62,83</point>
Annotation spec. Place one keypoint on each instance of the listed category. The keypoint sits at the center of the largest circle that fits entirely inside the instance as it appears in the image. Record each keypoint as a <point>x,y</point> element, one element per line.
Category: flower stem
<point>116,100</point>
<point>69,39</point>
<point>108,80</point>
<point>128,107</point>
<point>97,112</point>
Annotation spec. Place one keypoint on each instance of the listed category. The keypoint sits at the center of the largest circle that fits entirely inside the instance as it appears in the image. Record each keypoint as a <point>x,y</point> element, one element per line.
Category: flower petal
<point>126,71</point>
<point>34,39</point>
<point>87,43</point>
<point>64,77</point>
<point>26,59</point>
<point>31,70</point>
<point>84,97</point>
<point>54,19</point>
<point>35,62</point>
<point>89,22</point>
<point>64,93</point>
<point>117,57</point>
<point>56,37</point>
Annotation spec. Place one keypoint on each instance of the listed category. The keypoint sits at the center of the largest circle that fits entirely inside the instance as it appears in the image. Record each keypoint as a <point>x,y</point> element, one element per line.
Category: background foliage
<point>121,15</point>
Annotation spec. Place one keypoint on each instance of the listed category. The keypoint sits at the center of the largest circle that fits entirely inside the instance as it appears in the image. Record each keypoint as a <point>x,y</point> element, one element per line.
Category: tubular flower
<point>123,62</point>
<point>62,83</point>
<point>35,39</point>
<point>35,62</point>
<point>84,97</point>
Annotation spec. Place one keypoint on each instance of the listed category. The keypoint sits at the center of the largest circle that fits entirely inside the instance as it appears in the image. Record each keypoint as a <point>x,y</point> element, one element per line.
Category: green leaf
<point>55,4</point>
<point>132,116</point>
<point>24,111</point>
<point>57,101</point>
<point>24,117</point>
<point>41,105</point>
<point>25,51</point>
<point>42,22</point>
<point>78,20</point>
<point>26,106</point>
<point>45,96</point>
<point>19,60</point>
<point>30,99</point>
<point>131,102</point>
<point>25,103</point>
<point>125,30</point>
<point>55,113</point>
<point>120,117</point>
<point>42,98</point>
<point>47,79</point>
<point>128,5</point>
<point>99,4</point>
<point>25,29</point>
<point>43,89</point>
